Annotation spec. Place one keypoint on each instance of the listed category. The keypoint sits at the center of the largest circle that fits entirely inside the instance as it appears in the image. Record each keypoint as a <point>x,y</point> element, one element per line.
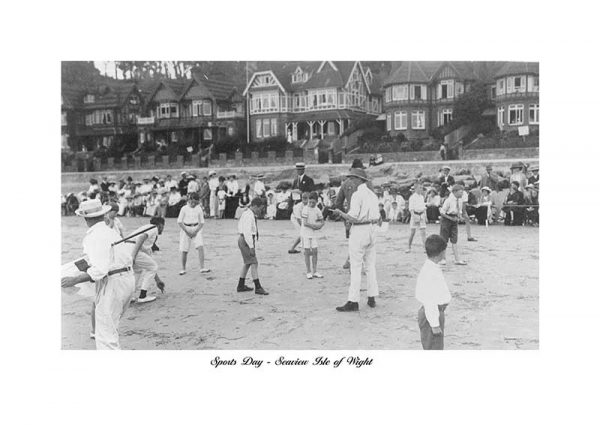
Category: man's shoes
<point>181,273</point>
<point>317,275</point>
<point>371,302</point>
<point>260,291</point>
<point>92,335</point>
<point>204,270</point>
<point>293,251</point>
<point>349,306</point>
<point>146,299</point>
<point>244,288</point>
<point>472,239</point>
<point>309,275</point>
<point>346,265</point>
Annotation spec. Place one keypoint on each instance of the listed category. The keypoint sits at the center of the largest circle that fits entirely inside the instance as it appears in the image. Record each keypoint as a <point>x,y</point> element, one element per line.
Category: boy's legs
<point>410,238</point>
<point>429,341</point>
<point>201,256</point>
<point>183,260</point>
<point>254,271</point>
<point>307,259</point>
<point>422,231</point>
<point>314,259</point>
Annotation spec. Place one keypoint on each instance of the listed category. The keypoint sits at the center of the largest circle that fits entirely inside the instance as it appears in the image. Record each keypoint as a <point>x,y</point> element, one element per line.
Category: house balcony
<point>229,114</point>
<point>421,102</point>
<point>304,103</point>
<point>517,95</point>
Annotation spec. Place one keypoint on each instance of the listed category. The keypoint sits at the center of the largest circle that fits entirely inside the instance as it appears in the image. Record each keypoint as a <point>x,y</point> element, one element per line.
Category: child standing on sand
<point>433,294</point>
<point>450,213</point>
<point>312,222</point>
<point>191,222</point>
<point>418,218</point>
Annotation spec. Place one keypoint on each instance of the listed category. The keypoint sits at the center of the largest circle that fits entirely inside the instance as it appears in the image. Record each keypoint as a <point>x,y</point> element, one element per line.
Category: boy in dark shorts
<point>248,237</point>
<point>450,214</point>
<point>433,294</point>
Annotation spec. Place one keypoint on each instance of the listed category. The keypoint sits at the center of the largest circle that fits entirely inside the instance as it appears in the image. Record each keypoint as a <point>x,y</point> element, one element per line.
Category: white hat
<point>211,172</point>
<point>300,165</point>
<point>92,208</point>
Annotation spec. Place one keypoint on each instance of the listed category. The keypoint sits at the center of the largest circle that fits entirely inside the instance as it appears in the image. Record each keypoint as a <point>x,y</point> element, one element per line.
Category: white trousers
<point>145,269</point>
<point>112,299</point>
<point>362,250</point>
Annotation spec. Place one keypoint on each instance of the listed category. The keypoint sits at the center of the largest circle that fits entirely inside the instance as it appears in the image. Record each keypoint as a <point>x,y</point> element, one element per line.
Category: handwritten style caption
<point>345,361</point>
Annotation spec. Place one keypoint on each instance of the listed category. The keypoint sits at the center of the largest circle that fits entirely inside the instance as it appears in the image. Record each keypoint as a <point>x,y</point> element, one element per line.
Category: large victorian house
<point>195,112</point>
<point>420,96</point>
<point>309,100</point>
<point>517,95</point>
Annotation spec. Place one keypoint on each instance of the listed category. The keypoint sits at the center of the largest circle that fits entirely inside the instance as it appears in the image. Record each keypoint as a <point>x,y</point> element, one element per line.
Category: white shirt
<point>247,227</point>
<point>213,184</point>
<point>174,198</point>
<point>393,214</point>
<point>297,212</point>
<point>171,183</point>
<point>311,215</point>
<point>193,186</point>
<point>416,203</point>
<point>400,201</point>
<point>150,240</point>
<point>189,215</point>
<point>364,205</point>
<point>259,188</point>
<point>233,187</point>
<point>432,291</point>
<point>104,257</point>
<point>118,226</point>
<point>451,206</point>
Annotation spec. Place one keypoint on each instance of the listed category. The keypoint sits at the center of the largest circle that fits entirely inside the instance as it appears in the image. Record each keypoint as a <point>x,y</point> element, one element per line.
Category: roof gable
<point>514,68</point>
<point>264,79</point>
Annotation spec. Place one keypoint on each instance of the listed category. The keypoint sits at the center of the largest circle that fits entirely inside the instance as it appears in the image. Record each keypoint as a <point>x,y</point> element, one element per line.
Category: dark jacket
<point>305,183</point>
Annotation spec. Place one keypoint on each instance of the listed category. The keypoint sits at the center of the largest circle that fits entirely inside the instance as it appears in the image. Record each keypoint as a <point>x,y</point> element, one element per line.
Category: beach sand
<point>495,302</point>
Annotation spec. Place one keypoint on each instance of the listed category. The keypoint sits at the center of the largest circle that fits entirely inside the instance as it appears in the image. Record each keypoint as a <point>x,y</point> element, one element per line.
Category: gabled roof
<point>202,86</point>
<point>172,92</point>
<point>513,68</point>
<point>462,70</point>
<point>407,72</point>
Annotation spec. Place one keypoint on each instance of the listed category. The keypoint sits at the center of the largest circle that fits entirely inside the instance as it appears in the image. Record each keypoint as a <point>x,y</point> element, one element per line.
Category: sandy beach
<point>495,301</point>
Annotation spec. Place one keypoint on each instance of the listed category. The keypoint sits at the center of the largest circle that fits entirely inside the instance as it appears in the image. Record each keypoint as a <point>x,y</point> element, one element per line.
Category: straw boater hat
<point>445,167</point>
<point>92,208</point>
<point>535,168</point>
<point>517,165</point>
<point>358,172</point>
<point>486,188</point>
<point>212,173</point>
<point>300,165</point>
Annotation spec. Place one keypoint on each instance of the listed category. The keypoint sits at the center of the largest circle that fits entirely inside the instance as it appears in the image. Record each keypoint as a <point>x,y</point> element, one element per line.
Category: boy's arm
<point>138,245</point>
<point>432,314</point>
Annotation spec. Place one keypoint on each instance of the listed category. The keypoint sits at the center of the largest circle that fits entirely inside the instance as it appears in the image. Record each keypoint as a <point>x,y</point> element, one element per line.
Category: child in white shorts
<point>418,217</point>
<point>191,222</point>
<point>312,221</point>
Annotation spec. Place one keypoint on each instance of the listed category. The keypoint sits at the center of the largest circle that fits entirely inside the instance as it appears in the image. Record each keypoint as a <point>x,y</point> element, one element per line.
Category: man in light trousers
<point>364,217</point>
<point>110,267</point>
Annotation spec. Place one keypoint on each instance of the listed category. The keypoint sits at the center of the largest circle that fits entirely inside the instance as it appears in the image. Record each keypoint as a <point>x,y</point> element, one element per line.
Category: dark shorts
<point>429,341</point>
<point>449,230</point>
<point>347,226</point>
<point>246,252</point>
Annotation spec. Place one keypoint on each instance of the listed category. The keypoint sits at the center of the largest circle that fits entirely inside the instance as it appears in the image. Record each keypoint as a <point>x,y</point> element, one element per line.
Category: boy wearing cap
<point>110,268</point>
<point>433,294</point>
<point>450,213</point>
<point>191,222</point>
<point>418,218</point>
<point>247,241</point>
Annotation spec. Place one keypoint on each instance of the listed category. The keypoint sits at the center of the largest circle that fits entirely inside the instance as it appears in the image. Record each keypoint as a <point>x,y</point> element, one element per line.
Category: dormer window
<point>369,76</point>
<point>89,98</point>
<point>298,76</point>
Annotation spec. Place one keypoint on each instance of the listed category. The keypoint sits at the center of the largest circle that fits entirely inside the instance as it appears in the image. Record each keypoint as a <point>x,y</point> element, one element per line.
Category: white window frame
<point>400,120</point>
<point>519,111</point>
<point>197,108</point>
<point>500,117</point>
<point>266,128</point>
<point>500,87</point>
<point>388,121</point>
<point>207,108</point>
<point>388,94</point>
<point>207,134</point>
<point>259,133</point>
<point>89,98</point>
<point>449,89</point>
<point>400,92</point>
<point>443,113</point>
<point>535,108</point>
<point>273,127</point>
<point>418,115</point>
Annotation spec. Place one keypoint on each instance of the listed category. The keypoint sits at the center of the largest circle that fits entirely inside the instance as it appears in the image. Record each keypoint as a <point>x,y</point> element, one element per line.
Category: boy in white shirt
<point>312,221</point>
<point>221,195</point>
<point>394,212</point>
<point>433,294</point>
<point>247,241</point>
<point>191,221</point>
<point>296,219</point>
<point>418,218</point>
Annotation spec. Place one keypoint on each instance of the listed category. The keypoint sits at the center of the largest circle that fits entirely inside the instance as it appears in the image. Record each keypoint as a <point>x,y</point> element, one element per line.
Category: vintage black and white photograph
<point>300,205</point>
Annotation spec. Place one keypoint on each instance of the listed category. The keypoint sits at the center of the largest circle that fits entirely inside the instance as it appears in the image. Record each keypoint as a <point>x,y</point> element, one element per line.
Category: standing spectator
<point>169,182</point>
<point>418,219</point>
<point>183,184</point>
<point>433,203</point>
<point>259,187</point>
<point>204,192</point>
<point>517,175</point>
<point>489,179</point>
<point>446,181</point>
<point>104,185</point>
<point>535,175</point>
<point>302,181</point>
<point>443,151</point>
<point>394,213</point>
<point>174,203</point>
<point>193,186</point>
<point>93,189</point>
<point>213,185</point>
<point>232,185</point>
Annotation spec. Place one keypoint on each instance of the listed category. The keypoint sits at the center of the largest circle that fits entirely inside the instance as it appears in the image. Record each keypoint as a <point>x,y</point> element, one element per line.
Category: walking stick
<point>132,236</point>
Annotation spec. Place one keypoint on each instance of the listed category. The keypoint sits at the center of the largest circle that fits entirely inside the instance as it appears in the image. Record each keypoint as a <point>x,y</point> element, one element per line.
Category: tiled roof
<point>407,72</point>
<point>512,68</point>
<point>174,90</point>
<point>71,96</point>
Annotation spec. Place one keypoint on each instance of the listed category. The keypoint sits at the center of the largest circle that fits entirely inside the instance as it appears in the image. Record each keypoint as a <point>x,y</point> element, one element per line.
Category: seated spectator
<point>433,203</point>
<point>174,203</point>
<point>271,206</point>
<point>514,206</point>
<point>394,213</point>
<point>531,200</point>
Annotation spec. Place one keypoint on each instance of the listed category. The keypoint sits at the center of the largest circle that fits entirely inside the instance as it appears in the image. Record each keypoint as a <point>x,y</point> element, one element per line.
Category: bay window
<point>400,92</point>
<point>167,110</point>
<point>263,102</point>
<point>418,92</point>
<point>515,114</point>
<point>417,120</point>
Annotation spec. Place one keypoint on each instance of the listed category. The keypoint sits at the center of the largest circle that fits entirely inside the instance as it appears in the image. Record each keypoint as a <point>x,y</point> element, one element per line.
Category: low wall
<point>435,155</point>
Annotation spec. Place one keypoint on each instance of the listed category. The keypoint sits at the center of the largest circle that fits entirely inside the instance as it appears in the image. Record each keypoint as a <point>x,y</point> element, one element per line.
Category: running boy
<point>418,218</point>
<point>433,294</point>
<point>144,266</point>
<point>450,214</point>
<point>312,221</point>
<point>191,221</point>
